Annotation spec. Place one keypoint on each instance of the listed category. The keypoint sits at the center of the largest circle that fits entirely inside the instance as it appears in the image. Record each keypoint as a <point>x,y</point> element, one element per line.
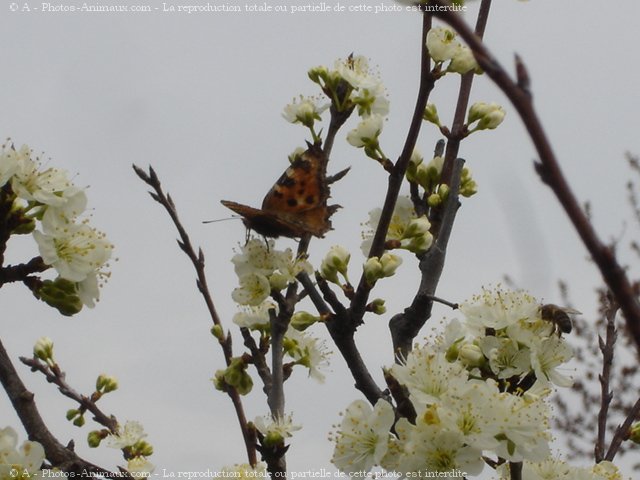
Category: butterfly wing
<point>297,203</point>
<point>264,223</point>
<point>302,186</point>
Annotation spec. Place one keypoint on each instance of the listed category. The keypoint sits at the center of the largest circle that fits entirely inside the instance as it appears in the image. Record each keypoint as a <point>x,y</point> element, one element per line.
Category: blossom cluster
<point>45,202</point>
<point>351,84</point>
<point>406,230</point>
<point>18,463</point>
<point>478,390</point>
<point>302,347</point>
<point>444,47</point>
<point>130,439</point>
<point>261,269</point>
<point>557,469</point>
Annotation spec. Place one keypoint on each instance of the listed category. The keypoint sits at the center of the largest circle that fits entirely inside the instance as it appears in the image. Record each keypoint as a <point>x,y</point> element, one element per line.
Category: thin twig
<point>197,259</point>
<point>622,432</point>
<point>23,403</point>
<point>57,377</point>
<point>607,349</point>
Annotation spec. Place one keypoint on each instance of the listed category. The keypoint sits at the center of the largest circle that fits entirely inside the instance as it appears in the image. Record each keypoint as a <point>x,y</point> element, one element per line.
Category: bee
<point>559,316</point>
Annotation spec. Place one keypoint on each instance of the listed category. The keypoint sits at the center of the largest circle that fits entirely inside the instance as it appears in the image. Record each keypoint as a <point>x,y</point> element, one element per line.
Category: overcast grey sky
<point>199,97</point>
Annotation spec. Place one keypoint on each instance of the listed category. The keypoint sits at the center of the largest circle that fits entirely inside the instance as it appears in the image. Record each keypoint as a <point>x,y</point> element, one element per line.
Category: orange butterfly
<point>296,205</point>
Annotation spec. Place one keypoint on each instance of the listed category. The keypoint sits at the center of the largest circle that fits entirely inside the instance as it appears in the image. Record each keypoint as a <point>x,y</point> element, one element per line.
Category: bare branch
<point>607,349</point>
<point>23,403</point>
<point>197,259</point>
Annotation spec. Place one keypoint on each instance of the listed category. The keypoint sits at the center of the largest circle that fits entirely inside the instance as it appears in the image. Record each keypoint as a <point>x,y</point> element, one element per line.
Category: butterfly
<point>296,205</point>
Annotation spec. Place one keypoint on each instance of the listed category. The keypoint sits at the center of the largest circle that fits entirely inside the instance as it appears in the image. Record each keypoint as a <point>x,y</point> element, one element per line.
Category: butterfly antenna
<point>233,217</point>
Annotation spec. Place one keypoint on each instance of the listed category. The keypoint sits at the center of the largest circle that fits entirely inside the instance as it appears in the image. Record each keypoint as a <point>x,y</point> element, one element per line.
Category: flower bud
<point>217,332</point>
<point>634,433</point>
<point>142,448</point>
<point>106,383</point>
<point>442,44</point>
<point>372,270</point>
<point>72,413</point>
<point>336,261</point>
<point>318,73</point>
<point>488,115</point>
<point>471,355</point>
<point>378,307</point>
<point>43,349</point>
<point>60,294</point>
<point>468,186</point>
<point>303,320</point>
<point>463,61</point>
<point>218,381</point>
<point>390,264</point>
<point>415,161</point>
<point>430,114</point>
<point>418,244</point>
<point>236,375</point>
<point>434,200</point>
<point>95,437</point>
<point>417,227</point>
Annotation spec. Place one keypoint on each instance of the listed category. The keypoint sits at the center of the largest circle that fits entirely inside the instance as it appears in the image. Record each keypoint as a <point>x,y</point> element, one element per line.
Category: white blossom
<point>362,439</point>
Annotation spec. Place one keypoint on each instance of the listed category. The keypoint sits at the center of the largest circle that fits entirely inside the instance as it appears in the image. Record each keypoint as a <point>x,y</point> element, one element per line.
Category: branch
<point>338,326</point>
<point>427,82</point>
<point>458,126</point>
<point>622,432</point>
<point>197,260</point>
<point>60,456</point>
<point>518,93</point>
<point>18,273</point>
<point>406,325</point>
<point>57,377</point>
<point>606,395</point>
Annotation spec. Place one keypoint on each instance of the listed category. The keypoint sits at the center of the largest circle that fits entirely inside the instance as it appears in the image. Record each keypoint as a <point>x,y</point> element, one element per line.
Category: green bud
<point>430,114</point>
<point>142,449</point>
<point>43,349</point>
<point>488,115</point>
<point>303,320</point>
<point>336,261</point>
<point>415,161</point>
<point>94,438</point>
<point>634,433</point>
<point>318,73</point>
<point>60,294</point>
<point>417,227</point>
<point>378,307</point>
<point>72,413</point>
<point>79,421</point>
<point>218,381</point>
<point>106,383</point>
<point>372,270</point>
<point>443,191</point>
<point>236,375</point>
<point>434,200</point>
<point>418,244</point>
<point>217,332</point>
<point>273,439</point>
<point>468,186</point>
